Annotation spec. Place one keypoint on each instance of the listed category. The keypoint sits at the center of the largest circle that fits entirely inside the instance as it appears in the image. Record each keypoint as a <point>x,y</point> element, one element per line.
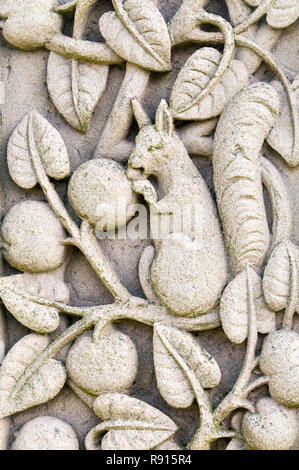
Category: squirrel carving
<point>187,268</point>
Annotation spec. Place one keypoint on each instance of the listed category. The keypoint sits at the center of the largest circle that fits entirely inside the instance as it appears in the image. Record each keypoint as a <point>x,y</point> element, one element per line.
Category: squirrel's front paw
<point>145,188</point>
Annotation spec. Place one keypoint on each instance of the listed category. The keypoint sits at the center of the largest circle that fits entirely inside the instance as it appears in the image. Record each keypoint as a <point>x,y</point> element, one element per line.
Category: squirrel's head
<point>151,146</point>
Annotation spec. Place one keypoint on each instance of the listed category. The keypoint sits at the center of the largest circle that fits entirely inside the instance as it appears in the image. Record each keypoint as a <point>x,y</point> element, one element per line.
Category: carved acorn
<point>30,24</point>
<point>272,427</point>
<point>280,361</point>
<point>108,365</point>
<point>100,192</point>
<point>32,238</point>
<point>46,433</point>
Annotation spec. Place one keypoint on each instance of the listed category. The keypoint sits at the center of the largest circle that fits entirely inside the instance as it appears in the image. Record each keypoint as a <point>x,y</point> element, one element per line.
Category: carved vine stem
<point>101,316</point>
<point>84,239</point>
<point>93,52</point>
<point>254,17</point>
<point>237,398</point>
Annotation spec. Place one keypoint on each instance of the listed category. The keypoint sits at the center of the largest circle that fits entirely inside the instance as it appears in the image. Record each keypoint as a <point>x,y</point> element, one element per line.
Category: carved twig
<point>259,382</point>
<point>254,17</point>
<point>85,239</point>
<point>183,27</point>
<point>87,51</point>
<point>237,397</point>
<point>105,314</point>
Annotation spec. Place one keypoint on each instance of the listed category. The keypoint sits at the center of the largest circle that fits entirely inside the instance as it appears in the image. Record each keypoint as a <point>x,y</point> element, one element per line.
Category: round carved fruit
<point>109,365</point>
<point>100,192</point>
<point>46,433</point>
<point>280,361</point>
<point>30,24</point>
<point>32,237</point>
<point>272,427</point>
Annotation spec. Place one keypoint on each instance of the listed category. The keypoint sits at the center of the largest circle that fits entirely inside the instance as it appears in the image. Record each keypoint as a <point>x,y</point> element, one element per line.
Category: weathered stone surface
<point>148,344</point>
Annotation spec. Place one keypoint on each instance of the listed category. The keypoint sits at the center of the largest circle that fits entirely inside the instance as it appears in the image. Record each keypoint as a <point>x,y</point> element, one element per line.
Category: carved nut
<point>100,192</point>
<point>32,237</point>
<point>280,360</point>
<point>46,433</point>
<point>109,365</point>
<point>273,427</point>
<point>30,24</point>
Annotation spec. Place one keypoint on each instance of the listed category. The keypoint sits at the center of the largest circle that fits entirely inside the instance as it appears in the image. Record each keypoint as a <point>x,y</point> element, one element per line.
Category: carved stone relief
<point>150,279</point>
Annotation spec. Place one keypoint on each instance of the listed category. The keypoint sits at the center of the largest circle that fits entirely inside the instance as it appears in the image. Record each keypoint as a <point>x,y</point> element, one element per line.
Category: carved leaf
<point>174,349</point>
<point>21,293</point>
<point>282,13</point>
<point>40,388</point>
<point>142,426</point>
<point>281,137</point>
<point>194,77</point>
<point>138,33</point>
<point>277,277</point>
<point>234,308</point>
<point>75,88</point>
<point>49,145</point>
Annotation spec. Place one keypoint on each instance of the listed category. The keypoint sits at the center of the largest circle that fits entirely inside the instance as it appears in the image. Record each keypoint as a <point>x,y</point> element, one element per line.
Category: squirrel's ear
<point>164,120</point>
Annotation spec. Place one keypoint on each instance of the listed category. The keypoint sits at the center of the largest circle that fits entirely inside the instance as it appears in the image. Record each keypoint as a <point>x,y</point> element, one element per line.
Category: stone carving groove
<point>229,266</point>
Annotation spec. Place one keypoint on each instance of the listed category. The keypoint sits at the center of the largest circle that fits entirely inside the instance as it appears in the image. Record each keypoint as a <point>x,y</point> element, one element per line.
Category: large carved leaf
<point>234,306</point>
<point>21,294</point>
<point>280,13</point>
<point>175,354</point>
<point>284,135</point>
<point>138,426</point>
<point>75,88</point>
<point>194,77</point>
<point>35,130</point>
<point>40,388</point>
<point>138,33</point>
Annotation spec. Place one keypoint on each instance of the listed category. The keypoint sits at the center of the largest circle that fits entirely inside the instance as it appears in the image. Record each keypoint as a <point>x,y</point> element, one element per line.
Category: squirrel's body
<point>189,270</point>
